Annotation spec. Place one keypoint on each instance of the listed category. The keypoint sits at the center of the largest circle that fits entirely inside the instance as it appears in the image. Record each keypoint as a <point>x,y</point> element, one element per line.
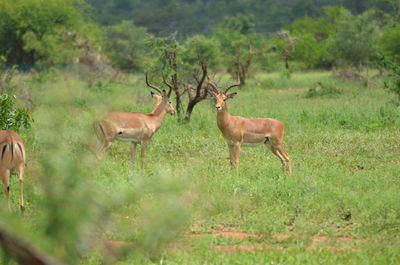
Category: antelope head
<point>164,97</point>
<point>221,96</point>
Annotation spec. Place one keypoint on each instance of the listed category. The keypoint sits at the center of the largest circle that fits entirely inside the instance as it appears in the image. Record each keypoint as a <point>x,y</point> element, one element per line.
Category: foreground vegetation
<point>340,205</point>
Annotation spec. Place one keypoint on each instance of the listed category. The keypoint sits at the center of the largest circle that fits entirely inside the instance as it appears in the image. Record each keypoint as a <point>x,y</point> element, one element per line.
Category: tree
<point>308,50</point>
<point>164,60</point>
<point>356,40</point>
<point>184,68</point>
<point>235,36</point>
<point>199,55</point>
<point>390,43</point>
<point>30,33</point>
<point>126,45</point>
<point>286,45</point>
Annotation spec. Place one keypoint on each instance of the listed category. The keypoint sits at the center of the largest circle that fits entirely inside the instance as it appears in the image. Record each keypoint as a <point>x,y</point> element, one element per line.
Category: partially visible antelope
<point>239,131</point>
<point>12,156</point>
<point>134,127</point>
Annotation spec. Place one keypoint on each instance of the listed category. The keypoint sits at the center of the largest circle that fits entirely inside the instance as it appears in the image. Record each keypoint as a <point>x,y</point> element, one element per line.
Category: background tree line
<point>202,36</point>
<point>324,33</point>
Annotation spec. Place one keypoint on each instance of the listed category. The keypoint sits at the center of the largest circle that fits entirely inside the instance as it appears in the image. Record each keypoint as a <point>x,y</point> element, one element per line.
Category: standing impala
<point>239,131</point>
<point>12,156</point>
<point>135,127</point>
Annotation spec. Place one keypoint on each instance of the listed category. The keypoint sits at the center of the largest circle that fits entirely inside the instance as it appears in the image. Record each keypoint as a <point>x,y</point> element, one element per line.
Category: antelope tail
<point>13,150</point>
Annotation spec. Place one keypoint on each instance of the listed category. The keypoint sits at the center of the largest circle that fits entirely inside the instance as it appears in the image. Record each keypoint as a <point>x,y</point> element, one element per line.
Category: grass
<point>340,205</point>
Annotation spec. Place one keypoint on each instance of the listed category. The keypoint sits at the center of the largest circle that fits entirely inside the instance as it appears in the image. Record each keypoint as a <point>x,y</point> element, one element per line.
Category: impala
<point>134,127</point>
<point>12,156</point>
<point>239,131</point>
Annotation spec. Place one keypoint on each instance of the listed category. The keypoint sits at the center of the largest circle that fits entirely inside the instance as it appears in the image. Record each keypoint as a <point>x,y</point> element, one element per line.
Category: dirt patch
<point>220,230</point>
<point>116,247</point>
<point>242,248</point>
<point>235,235</point>
<point>316,243</point>
<point>334,250</point>
<point>340,239</point>
<point>282,236</point>
<point>224,234</point>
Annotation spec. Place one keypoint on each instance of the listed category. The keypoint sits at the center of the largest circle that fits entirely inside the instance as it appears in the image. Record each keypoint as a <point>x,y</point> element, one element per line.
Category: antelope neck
<point>159,113</point>
<point>223,116</point>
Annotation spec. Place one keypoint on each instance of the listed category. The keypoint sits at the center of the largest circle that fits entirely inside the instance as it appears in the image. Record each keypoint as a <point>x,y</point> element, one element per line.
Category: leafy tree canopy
<point>50,32</point>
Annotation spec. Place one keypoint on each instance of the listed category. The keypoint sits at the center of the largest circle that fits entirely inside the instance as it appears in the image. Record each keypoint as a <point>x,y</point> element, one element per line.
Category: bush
<point>390,43</point>
<point>322,90</point>
<point>11,117</point>
<point>393,81</point>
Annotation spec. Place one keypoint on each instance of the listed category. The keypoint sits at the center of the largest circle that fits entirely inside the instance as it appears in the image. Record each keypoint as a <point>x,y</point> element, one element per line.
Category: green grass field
<point>341,205</point>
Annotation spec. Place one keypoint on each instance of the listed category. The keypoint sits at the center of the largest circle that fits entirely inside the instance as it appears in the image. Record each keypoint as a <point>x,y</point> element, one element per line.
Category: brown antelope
<point>239,131</point>
<point>12,156</point>
<point>135,127</point>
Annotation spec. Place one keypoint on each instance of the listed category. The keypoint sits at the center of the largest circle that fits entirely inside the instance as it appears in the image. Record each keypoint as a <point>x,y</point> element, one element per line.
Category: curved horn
<point>168,85</point>
<point>152,86</point>
<point>212,84</point>
<point>237,84</point>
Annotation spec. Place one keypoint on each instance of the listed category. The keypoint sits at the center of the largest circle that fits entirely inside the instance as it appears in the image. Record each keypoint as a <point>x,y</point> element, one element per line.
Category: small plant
<point>286,74</point>
<point>12,117</point>
<point>322,90</point>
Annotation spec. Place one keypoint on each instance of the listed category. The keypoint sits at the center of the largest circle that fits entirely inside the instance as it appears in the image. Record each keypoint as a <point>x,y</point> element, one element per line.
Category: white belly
<point>130,135</point>
<point>248,144</point>
<point>252,144</point>
<point>123,139</point>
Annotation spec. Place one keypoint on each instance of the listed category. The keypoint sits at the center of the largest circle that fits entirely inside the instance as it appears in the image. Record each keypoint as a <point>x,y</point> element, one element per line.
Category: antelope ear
<point>152,93</point>
<point>231,95</point>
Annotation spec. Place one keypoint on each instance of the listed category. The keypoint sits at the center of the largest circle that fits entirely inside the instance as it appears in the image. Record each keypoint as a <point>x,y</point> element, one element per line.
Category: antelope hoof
<point>22,208</point>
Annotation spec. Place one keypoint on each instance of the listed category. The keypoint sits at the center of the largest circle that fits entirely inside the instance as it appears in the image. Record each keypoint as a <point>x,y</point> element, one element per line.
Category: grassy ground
<point>340,205</point>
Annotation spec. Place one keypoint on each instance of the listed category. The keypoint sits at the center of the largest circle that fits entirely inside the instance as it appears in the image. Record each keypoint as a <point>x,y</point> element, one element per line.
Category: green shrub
<point>11,117</point>
<point>322,90</point>
<point>393,81</point>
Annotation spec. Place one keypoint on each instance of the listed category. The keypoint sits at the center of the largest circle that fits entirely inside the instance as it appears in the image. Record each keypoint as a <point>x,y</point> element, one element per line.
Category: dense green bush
<point>49,32</point>
<point>393,81</point>
<point>322,90</point>
<point>12,117</point>
<point>390,43</point>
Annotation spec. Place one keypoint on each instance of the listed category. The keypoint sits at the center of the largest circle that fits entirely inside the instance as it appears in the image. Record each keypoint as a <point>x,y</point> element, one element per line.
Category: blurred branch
<point>24,253</point>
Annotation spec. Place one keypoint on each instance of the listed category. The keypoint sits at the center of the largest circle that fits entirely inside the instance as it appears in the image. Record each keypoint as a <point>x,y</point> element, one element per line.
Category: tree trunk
<point>189,110</point>
<point>178,104</point>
